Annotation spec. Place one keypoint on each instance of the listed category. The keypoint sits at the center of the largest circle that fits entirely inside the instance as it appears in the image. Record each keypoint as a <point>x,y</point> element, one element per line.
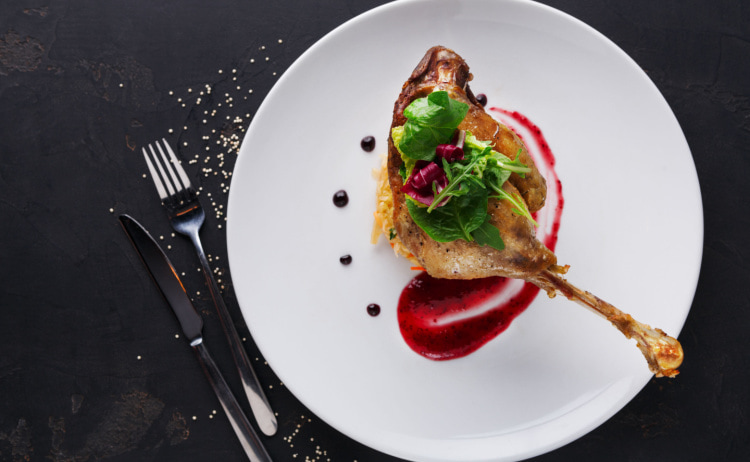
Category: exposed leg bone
<point>663,353</point>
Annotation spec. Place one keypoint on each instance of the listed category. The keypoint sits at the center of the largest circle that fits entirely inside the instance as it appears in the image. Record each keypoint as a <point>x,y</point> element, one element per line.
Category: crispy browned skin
<point>443,69</point>
<point>524,257</point>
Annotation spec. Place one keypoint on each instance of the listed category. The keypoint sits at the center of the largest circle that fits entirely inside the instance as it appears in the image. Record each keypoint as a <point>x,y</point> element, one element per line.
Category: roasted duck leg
<point>524,257</point>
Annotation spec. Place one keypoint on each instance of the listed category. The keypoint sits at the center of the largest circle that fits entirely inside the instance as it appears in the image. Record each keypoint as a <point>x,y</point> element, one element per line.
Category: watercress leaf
<point>431,121</point>
<point>419,141</point>
<point>437,110</point>
<point>488,235</point>
<point>439,224</point>
<point>456,182</point>
<point>461,215</point>
<point>515,165</point>
<point>519,206</point>
<point>497,177</point>
<point>473,143</point>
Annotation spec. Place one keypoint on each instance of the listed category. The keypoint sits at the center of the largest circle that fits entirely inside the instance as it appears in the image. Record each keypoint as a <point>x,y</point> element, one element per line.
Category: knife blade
<point>165,276</point>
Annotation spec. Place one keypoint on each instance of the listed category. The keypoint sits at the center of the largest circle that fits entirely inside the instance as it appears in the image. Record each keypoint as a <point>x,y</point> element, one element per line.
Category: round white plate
<point>632,231</point>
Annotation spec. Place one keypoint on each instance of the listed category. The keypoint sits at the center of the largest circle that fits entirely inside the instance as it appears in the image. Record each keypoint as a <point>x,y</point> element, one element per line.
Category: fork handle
<point>248,438</point>
<point>258,402</point>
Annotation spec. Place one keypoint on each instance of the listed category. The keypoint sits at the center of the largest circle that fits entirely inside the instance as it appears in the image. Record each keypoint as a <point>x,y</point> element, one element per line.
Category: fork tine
<point>178,165</point>
<point>177,186</point>
<point>155,177</point>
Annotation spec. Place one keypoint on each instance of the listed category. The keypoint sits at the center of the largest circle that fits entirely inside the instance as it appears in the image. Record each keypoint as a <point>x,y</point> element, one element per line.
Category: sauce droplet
<point>373,309</point>
<point>340,198</point>
<point>368,143</point>
<point>346,259</point>
<point>482,99</point>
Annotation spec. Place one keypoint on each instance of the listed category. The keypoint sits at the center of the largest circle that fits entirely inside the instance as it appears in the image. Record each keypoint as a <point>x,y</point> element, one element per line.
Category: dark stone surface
<point>91,370</point>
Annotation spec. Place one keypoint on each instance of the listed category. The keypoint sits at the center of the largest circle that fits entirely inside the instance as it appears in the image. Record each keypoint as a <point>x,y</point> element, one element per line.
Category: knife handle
<point>245,432</point>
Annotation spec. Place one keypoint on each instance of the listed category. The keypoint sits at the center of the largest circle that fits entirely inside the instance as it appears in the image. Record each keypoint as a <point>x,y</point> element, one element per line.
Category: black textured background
<point>89,372</point>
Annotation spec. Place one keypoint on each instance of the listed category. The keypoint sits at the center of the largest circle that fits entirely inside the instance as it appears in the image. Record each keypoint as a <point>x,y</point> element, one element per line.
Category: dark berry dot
<point>482,99</point>
<point>346,259</point>
<point>373,309</point>
<point>368,143</point>
<point>340,198</point>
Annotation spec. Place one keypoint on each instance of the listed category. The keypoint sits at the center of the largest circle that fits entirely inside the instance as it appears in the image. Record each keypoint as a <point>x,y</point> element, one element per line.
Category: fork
<point>187,216</point>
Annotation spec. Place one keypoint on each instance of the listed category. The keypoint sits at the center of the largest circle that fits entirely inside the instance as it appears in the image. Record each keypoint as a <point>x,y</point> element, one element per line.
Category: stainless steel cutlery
<point>187,216</point>
<point>166,278</point>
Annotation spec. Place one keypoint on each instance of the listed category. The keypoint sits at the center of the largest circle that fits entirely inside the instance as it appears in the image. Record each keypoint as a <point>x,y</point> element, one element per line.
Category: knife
<point>165,276</point>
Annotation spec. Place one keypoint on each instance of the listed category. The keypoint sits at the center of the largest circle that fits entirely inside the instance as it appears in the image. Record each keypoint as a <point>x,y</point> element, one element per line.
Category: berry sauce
<point>367,143</point>
<point>449,318</point>
<point>340,198</point>
<point>373,309</point>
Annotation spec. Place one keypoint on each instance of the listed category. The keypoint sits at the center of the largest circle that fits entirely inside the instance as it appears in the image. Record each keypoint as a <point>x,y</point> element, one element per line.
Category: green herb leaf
<point>519,206</point>
<point>430,121</point>
<point>456,173</point>
<point>455,220</point>
<point>488,235</point>
<point>437,110</point>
